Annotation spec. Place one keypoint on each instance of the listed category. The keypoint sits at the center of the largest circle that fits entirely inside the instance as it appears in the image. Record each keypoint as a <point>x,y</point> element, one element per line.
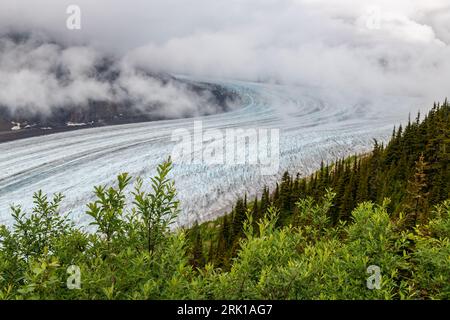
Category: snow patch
<point>16,126</point>
<point>75,124</point>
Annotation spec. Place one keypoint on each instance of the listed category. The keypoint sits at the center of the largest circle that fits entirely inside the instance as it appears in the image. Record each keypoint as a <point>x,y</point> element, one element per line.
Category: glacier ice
<point>315,125</point>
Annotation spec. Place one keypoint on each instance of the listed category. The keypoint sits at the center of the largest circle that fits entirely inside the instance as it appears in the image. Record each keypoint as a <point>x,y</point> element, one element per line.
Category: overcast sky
<point>390,47</point>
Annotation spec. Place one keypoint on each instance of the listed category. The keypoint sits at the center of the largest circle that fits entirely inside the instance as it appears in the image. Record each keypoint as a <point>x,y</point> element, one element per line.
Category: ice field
<point>314,125</point>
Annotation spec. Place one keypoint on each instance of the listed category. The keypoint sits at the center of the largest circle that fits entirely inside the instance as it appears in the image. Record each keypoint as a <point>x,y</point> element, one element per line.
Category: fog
<point>39,74</point>
<point>363,48</point>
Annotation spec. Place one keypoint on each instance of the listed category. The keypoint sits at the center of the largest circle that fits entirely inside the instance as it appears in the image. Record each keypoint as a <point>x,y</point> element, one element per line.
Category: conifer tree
<point>265,201</point>
<point>197,259</point>
<point>416,207</point>
<point>239,218</point>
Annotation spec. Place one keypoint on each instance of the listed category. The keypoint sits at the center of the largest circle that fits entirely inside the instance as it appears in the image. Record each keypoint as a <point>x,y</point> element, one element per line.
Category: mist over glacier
<point>364,47</point>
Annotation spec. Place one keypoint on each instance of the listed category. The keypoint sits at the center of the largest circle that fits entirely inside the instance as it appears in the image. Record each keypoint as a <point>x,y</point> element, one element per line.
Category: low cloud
<point>313,45</point>
<point>38,75</point>
<point>362,47</point>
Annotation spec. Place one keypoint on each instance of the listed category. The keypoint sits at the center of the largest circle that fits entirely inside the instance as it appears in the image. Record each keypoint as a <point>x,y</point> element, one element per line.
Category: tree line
<point>412,170</point>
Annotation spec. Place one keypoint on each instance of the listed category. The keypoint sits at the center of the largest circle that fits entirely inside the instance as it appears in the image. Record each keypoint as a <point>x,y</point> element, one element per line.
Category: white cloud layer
<point>362,46</point>
<point>38,75</point>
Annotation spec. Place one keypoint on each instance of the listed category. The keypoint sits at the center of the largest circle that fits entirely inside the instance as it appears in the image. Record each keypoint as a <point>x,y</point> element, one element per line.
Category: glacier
<point>315,125</point>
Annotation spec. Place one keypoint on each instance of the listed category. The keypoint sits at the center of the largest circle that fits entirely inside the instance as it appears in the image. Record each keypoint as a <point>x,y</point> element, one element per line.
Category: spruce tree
<point>416,206</point>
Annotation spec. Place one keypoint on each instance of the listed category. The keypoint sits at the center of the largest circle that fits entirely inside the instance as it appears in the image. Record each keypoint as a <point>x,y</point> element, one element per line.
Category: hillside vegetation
<point>311,238</point>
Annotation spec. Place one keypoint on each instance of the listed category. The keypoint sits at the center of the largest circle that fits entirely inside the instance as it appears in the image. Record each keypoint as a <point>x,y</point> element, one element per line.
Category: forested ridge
<point>309,238</point>
<point>412,170</point>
